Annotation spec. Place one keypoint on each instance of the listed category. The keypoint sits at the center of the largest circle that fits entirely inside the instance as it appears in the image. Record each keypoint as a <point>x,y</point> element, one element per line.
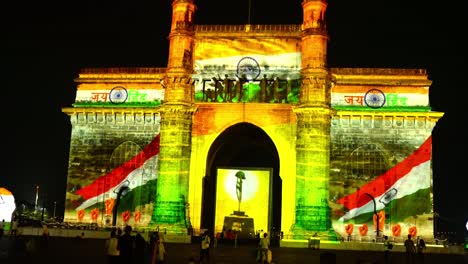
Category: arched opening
<point>242,146</point>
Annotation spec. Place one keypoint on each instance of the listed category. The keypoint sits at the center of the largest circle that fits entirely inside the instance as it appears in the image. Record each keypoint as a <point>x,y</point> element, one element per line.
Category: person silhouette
<point>387,246</point>
<point>205,248</point>
<point>125,245</point>
<point>410,250</point>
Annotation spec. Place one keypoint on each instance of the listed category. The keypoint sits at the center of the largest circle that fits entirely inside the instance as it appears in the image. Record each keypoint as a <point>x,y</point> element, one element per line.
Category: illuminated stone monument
<point>233,93</point>
<point>238,221</point>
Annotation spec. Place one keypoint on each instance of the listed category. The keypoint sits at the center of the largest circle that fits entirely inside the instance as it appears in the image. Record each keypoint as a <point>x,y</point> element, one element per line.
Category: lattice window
<point>123,153</point>
<point>366,162</point>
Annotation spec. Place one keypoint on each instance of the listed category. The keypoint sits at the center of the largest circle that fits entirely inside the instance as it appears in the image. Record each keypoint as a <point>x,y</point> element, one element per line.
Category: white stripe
<point>418,178</point>
<point>140,176</point>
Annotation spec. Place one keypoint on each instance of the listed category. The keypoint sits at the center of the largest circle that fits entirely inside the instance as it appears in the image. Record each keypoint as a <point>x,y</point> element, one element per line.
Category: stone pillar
<point>174,167</point>
<point>176,123</point>
<point>312,214</point>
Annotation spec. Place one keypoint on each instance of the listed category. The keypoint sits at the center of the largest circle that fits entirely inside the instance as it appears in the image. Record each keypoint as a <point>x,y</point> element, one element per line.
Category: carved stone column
<point>174,167</point>
<point>176,123</point>
<point>312,214</point>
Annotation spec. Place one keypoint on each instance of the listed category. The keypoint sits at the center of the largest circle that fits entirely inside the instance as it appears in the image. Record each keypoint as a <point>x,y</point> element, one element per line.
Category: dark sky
<point>48,43</point>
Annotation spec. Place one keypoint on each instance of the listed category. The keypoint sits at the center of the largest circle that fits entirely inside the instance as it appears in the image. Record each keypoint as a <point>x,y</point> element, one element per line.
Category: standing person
<point>140,248</point>
<point>264,246</point>
<point>125,245</point>
<point>14,228</point>
<point>221,236</point>
<point>410,250</point>
<point>45,231</point>
<point>153,237</point>
<point>191,260</point>
<point>2,228</point>
<point>421,248</point>
<point>111,248</point>
<point>387,246</point>
<point>45,236</point>
<point>159,252</point>
<point>205,248</point>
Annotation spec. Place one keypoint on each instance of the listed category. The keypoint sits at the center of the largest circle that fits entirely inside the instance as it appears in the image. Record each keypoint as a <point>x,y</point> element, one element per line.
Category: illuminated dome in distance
<point>7,204</point>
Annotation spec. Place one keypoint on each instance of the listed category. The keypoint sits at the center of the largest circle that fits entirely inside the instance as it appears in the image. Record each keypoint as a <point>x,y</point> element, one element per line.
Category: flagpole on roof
<point>37,197</point>
<point>250,7</point>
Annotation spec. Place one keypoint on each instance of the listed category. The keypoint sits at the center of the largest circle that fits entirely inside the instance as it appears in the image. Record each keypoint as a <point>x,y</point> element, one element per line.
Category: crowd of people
<point>414,252</point>
<point>127,246</point>
<point>124,247</point>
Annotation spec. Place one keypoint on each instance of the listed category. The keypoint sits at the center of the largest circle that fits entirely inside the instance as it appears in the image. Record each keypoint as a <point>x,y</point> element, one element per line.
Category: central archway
<point>241,146</point>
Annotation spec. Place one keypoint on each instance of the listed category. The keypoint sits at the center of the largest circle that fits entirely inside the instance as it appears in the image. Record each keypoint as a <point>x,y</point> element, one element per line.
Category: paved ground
<point>89,251</point>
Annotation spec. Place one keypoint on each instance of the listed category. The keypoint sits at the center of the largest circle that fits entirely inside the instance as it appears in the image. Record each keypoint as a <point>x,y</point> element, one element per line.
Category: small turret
<point>178,83</point>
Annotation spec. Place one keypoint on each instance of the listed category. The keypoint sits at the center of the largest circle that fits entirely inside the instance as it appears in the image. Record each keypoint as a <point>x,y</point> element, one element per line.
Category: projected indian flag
<point>401,196</point>
<point>135,180</point>
<point>385,97</point>
<point>242,200</point>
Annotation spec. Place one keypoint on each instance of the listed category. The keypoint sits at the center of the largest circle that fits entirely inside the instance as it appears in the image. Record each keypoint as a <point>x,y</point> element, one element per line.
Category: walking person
<point>205,248</point>
<point>421,247</point>
<point>410,250</point>
<point>111,248</point>
<point>388,245</point>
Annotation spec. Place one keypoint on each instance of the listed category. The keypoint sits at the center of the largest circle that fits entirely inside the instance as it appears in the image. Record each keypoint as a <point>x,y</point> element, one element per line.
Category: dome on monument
<point>7,204</point>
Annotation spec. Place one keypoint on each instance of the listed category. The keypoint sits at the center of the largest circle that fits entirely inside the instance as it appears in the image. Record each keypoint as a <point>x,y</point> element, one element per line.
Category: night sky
<point>48,43</point>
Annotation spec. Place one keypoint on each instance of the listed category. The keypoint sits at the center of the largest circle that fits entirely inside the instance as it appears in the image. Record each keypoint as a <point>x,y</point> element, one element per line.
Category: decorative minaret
<point>176,122</point>
<point>312,214</point>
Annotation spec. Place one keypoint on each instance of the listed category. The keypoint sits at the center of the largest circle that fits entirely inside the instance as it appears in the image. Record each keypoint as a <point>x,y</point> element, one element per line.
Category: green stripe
<point>400,209</point>
<point>385,108</point>
<point>144,194</point>
<point>126,104</point>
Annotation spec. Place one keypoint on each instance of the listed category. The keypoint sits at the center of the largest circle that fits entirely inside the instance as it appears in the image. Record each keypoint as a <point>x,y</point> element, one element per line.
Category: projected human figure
<point>227,89</point>
<point>240,175</point>
<point>263,89</point>
<point>239,88</point>
<point>276,94</point>
<point>219,91</point>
